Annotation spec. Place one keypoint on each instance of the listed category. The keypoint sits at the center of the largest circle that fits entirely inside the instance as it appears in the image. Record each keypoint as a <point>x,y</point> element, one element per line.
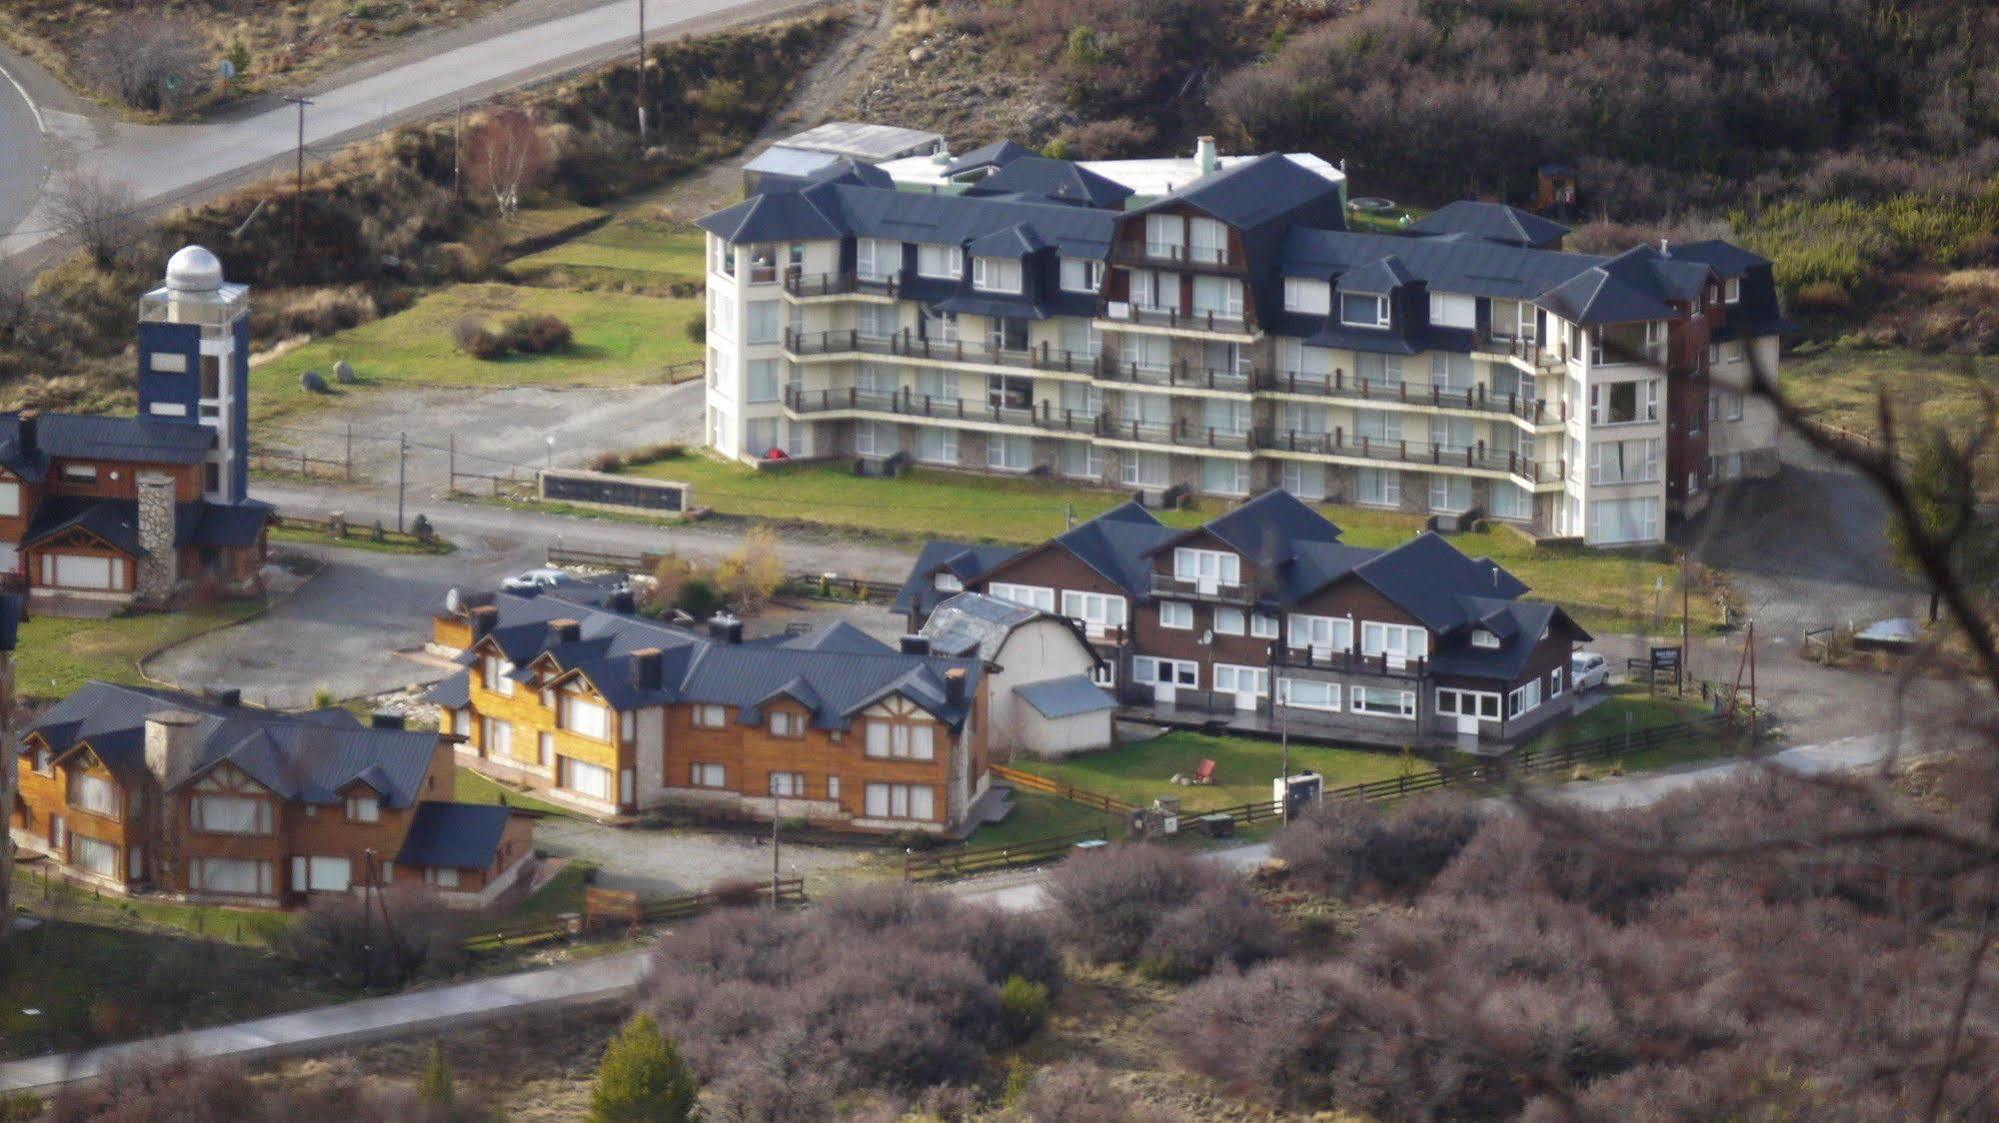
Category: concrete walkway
<point>351,1023</point>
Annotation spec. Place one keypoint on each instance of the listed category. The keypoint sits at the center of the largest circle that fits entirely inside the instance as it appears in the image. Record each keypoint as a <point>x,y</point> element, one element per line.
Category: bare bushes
<point>149,62</point>
<point>1164,912</point>
<point>179,1090</point>
<point>377,940</point>
<point>891,989</point>
<point>1350,847</point>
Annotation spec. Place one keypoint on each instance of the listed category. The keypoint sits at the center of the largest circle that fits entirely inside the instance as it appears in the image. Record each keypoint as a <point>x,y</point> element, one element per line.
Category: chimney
<point>170,737</point>
<point>226,696</point>
<point>622,602</point>
<point>564,631</point>
<point>1204,154</point>
<point>483,619</point>
<point>724,628</point>
<point>382,719</point>
<point>645,668</point>
<point>25,435</point>
<point>1665,248</point>
<point>954,686</point>
<point>915,645</point>
<point>159,569</point>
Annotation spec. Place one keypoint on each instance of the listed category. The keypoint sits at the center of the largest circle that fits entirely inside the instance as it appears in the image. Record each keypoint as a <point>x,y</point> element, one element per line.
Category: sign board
<point>1665,663</point>
<point>618,493</point>
<point>610,906</point>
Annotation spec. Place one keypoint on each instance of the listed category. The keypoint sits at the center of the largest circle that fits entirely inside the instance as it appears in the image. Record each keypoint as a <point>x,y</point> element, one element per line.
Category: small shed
<point>1065,715</point>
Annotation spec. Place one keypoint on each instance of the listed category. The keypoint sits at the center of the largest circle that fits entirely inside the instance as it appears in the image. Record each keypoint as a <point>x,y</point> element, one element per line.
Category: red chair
<point>1204,773</point>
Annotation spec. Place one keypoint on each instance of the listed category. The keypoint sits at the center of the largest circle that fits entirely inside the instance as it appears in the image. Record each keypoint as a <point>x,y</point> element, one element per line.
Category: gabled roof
<point>1725,259</point>
<point>462,836</point>
<point>1518,624</point>
<point>1635,285</point>
<point>998,154</point>
<point>1017,240</point>
<point>772,217</point>
<point>1070,696</point>
<point>975,625</point>
<point>1252,193</point>
<point>1057,181</point>
<point>113,521</point>
<point>304,757</point>
<point>1382,275</point>
<point>964,560</point>
<point>1494,222</point>
<point>1428,578</point>
<point>1118,545</point>
<point>1267,530</point>
<point>839,636</point>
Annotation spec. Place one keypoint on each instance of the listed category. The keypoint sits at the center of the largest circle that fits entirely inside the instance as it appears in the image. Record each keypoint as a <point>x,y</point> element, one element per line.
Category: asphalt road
<point>23,153</point>
<point>179,163</point>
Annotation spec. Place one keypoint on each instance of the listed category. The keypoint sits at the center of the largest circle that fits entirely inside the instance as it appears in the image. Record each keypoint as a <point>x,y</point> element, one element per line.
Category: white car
<point>1588,669</point>
<point>543,578</point>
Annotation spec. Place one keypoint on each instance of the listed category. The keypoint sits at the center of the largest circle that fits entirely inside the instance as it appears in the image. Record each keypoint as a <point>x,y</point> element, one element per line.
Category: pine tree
<point>643,1079</point>
<point>437,1088</point>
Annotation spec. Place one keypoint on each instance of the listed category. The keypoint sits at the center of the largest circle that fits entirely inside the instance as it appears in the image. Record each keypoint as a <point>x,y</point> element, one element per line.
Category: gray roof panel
<point>1071,696</point>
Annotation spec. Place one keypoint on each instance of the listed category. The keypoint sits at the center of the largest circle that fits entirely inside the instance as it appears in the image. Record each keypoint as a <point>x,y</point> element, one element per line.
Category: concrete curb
<point>269,604</point>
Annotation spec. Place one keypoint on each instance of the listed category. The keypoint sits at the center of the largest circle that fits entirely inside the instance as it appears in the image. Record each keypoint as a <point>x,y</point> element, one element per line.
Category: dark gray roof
<point>1520,626</point>
<point>1017,240</point>
<point>462,836</point>
<point>964,560</point>
<point>116,521</point>
<point>1429,578</point>
<point>1725,259</point>
<point>998,154</point>
<point>1635,285</point>
<point>85,436</point>
<point>305,757</point>
<point>1381,275</point>
<point>1470,267</point>
<point>1059,181</point>
<point>1494,222</point>
<point>1253,192</point>
<point>1118,544</point>
<point>1072,696</point>
<point>975,625</point>
<point>1267,530</point>
<point>840,673</point>
<point>771,217</point>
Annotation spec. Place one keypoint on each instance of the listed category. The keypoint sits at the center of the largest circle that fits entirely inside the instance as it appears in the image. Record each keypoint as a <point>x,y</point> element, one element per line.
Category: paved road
<point>178,163</point>
<point>23,152</point>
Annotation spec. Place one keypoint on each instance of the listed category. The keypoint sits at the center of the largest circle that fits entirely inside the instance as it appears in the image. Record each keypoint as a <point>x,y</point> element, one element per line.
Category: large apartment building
<point>1018,314</point>
<point>1263,616</point>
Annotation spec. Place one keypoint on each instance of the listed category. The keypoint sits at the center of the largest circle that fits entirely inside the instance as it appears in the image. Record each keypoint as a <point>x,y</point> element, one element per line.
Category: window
<point>1467,703</point>
<point>1397,641</point>
<point>900,801</point>
<point>1305,694</point>
<point>940,327</point>
<point>1377,425</point>
<point>1233,679</point>
<point>1228,621</point>
<point>1306,481</point>
<point>1082,460</point>
<point>1555,684</point>
<point>79,473</point>
<point>1511,501</point>
<point>167,362</point>
<point>1452,311</point>
<point>1624,462</point>
<point>937,445</point>
<point>996,274</point>
<point>316,874</point>
<point>939,385</point>
<point>1624,403</point>
<point>788,784</point>
<point>364,809</point>
<point>710,717</point>
<point>1363,310</point>
<point>1485,639</point>
<point>763,322</point>
<point>1623,520</point>
<point>1097,612</point>
<point>230,875</point>
<point>44,760</point>
<point>762,380</point>
<point>1262,627</point>
<point>94,794</point>
<point>703,775</point>
<point>1524,698</point>
<point>875,438</point>
<point>876,259</point>
<point>1378,370</point>
<point>895,740</point>
<point>1080,274</point>
<point>1207,241</point>
<point>1143,469</point>
<point>1453,373</point>
<point>1377,487</point>
<point>1450,494</point>
<point>942,262</point>
<point>498,738</point>
<point>93,855</point>
<point>759,436</point>
<point>1006,333</point>
<point>440,878</point>
<point>833,788</point>
<point>585,717</point>
<point>223,814</point>
<point>873,378</point>
<point>1219,296</point>
<point>1010,391</point>
<point>783,723</point>
<point>1384,703</point>
<point>1314,298</point>
<point>949,582</point>
<point>1176,614</point>
<point>1322,634</point>
<point>1207,567</point>
<point>1724,405</point>
<point>1731,290</point>
<point>1147,670</point>
<point>584,778</point>
<point>10,499</point>
<point>1009,454</point>
<point>1164,236</point>
<point>1033,596</point>
<point>495,673</point>
<point>544,749</point>
<point>1225,477</point>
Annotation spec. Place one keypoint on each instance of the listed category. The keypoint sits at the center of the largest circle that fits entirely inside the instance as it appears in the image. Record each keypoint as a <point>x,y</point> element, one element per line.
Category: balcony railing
<point>1338,385</point>
<point>1526,350</point>
<point>908,404</point>
<point>837,284</point>
<point>905,344</point>
<point>1180,375</point>
<point>1193,589</point>
<point>1350,661</point>
<point>1477,456</point>
<point>1181,434</point>
<point>1174,253</point>
<point>1129,313</point>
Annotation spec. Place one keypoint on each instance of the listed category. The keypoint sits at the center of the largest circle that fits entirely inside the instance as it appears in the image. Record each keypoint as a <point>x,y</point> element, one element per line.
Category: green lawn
<point>1036,816</point>
<point>552,219</point>
<point>632,248</point>
<point>1840,384</point>
<point>1244,768</point>
<point>58,654</point>
<point>361,539</point>
<point>619,340</point>
<point>475,787</point>
<point>1630,707</point>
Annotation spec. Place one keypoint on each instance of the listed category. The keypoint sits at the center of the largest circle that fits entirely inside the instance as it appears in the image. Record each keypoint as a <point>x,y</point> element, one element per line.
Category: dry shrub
<point>1162,911</point>
<point>1081,1092</point>
<point>319,312</point>
<point>892,988</point>
<point>169,1089</point>
<point>384,939</point>
<point>1350,847</point>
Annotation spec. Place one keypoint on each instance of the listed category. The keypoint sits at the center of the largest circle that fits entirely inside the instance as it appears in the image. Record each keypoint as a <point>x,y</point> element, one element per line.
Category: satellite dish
<point>452,601</point>
<point>1208,637</point>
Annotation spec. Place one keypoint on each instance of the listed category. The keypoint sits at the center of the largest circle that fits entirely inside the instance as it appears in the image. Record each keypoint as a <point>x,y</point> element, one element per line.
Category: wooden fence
<point>541,930</point>
<point>287,462</point>
<point>816,585</point>
<point>944,865</point>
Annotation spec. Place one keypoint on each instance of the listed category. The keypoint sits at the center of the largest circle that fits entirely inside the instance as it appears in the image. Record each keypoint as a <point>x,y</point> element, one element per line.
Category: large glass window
<point>901,801</point>
<point>900,740</point>
<point>222,814</point>
<point>937,445</point>
<point>1363,310</point>
<point>996,274</point>
<point>763,321</point>
<point>1378,487</point>
<point>1613,521</point>
<point>1081,274</point>
<point>1009,454</point>
<point>1322,635</point>
<point>1624,403</point>
<point>94,794</point>
<point>940,262</point>
<point>1306,694</point>
<point>1314,298</point>
<point>1377,370</point>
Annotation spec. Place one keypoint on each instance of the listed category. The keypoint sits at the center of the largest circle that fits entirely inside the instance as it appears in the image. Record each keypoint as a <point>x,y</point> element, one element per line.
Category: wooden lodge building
<point>202,798</point>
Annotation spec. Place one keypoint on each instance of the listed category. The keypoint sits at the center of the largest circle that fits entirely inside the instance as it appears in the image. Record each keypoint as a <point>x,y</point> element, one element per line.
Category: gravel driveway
<point>666,862</point>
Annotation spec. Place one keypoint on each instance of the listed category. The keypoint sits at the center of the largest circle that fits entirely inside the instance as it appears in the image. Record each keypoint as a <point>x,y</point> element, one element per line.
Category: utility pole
<point>1686,579</point>
<point>640,97</point>
<point>402,461</point>
<point>298,181</point>
<point>775,803</point>
<point>457,148</point>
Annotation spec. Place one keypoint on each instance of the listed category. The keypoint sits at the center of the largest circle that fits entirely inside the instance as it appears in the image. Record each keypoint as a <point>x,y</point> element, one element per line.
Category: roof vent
<point>646,668</point>
<point>564,631</point>
<point>954,686</point>
<point>24,435</point>
<point>382,719</point>
<point>484,618</point>
<point>915,645</point>
<point>724,628</point>
<point>1204,154</point>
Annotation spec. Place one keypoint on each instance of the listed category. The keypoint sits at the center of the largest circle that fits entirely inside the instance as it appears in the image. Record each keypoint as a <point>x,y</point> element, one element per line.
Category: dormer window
<point>949,583</point>
<point>995,274</point>
<point>1483,638</point>
<point>1313,298</point>
<point>1208,569</point>
<point>1731,290</point>
<point>1363,310</point>
<point>946,263</point>
<point>364,809</point>
<point>877,259</point>
<point>79,473</point>
<point>1080,274</point>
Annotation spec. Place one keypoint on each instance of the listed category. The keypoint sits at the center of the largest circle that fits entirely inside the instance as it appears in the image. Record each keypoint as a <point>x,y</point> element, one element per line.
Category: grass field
<point>619,340</point>
<point>1137,772</point>
<point>1840,384</point>
<point>58,654</point>
<point>552,219</point>
<point>391,543</point>
<point>632,248</point>
<point>475,787</point>
<point>1037,816</point>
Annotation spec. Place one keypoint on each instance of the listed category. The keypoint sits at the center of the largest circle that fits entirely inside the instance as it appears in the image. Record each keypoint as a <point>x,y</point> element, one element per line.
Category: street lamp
<point>551,449</point>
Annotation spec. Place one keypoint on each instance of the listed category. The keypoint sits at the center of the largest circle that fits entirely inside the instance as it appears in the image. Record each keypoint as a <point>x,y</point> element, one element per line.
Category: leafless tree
<point>507,152</point>
<point>149,62</point>
<point>99,215</point>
